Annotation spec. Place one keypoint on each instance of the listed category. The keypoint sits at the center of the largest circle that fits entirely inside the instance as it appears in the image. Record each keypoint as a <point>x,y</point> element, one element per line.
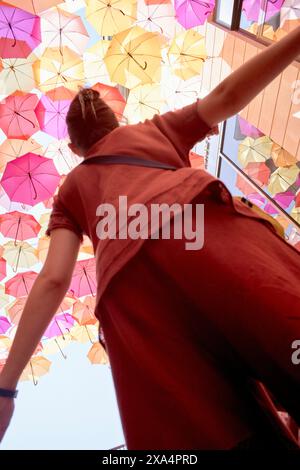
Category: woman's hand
<point>7,406</point>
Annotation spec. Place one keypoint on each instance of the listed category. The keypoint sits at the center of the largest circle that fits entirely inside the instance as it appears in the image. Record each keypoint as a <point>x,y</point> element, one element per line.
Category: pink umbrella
<point>284,199</point>
<point>4,325</point>
<point>2,268</point>
<point>257,199</point>
<point>19,226</point>
<point>190,13</point>
<point>248,129</point>
<point>20,32</point>
<point>270,209</point>
<point>30,179</point>
<point>297,201</point>
<point>252,8</point>
<point>21,284</point>
<point>51,116</point>
<point>84,278</point>
<point>17,116</point>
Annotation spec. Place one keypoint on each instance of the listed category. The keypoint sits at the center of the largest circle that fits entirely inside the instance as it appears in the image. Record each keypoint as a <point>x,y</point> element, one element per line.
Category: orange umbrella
<point>97,354</point>
<point>33,6</point>
<point>13,148</point>
<point>84,311</point>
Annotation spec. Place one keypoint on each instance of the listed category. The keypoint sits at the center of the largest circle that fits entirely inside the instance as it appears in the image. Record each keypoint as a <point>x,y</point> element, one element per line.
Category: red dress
<point>186,330</point>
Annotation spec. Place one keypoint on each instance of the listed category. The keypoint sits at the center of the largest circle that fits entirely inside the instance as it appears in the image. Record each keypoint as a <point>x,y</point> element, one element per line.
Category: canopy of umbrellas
<point>144,56</point>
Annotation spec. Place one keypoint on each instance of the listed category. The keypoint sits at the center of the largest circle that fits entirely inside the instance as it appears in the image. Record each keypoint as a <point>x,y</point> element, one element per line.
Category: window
<point>254,166</point>
<point>267,20</point>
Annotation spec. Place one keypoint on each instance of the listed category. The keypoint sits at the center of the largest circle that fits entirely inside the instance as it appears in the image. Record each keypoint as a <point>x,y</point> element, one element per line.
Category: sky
<point>72,407</point>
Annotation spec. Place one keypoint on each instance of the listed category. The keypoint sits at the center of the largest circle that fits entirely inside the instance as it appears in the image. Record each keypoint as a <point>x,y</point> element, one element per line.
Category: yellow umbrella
<point>111,16</point>
<point>295,213</point>
<point>5,344</point>
<point>55,345</point>
<point>10,149</point>
<point>4,298</point>
<point>21,255</point>
<point>84,312</point>
<point>187,54</point>
<point>95,70</point>
<point>18,74</point>
<point>282,157</point>
<point>43,243</point>
<point>282,178</point>
<point>59,68</point>
<point>254,150</point>
<point>134,57</point>
<point>143,102</point>
<point>97,354</point>
<point>36,367</point>
<point>85,333</point>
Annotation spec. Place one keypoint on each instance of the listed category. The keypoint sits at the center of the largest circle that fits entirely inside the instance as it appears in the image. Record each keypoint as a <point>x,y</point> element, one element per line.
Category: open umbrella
<point>21,284</point>
<point>59,68</point>
<point>248,129</point>
<point>4,325</point>
<point>34,6</point>
<point>191,13</point>
<point>112,97</point>
<point>63,158</point>
<point>284,199</point>
<point>3,272</point>
<point>134,57</point>
<point>85,333</point>
<point>254,150</point>
<point>19,32</point>
<point>18,74</point>
<point>259,172</point>
<point>61,28</point>
<point>290,11</point>
<point>59,325</point>
<point>111,16</point>
<point>252,9</point>
<point>97,354</point>
<point>51,116</point>
<point>13,148</point>
<point>282,157</point>
<point>18,225</point>
<point>95,69</point>
<point>17,116</point>
<point>30,179</point>
<point>36,367</point>
<point>84,278</point>
<point>143,102</point>
<point>283,179</point>
<point>187,54</point>
<point>84,312</point>
<point>23,255</point>
<point>158,18</point>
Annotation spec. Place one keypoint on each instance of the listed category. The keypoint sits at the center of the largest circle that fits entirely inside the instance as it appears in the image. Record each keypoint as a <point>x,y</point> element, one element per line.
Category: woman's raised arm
<point>242,85</point>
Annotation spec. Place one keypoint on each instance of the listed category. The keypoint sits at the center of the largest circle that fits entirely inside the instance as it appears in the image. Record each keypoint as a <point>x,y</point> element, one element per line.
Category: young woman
<point>195,337</point>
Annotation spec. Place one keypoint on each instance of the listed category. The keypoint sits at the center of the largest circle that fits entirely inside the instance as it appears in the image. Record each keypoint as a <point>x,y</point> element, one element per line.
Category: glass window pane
<point>224,10</point>
<point>238,185</point>
<point>267,164</point>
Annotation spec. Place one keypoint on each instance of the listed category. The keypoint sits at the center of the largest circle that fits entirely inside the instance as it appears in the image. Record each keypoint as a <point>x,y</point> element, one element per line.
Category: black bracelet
<point>4,392</point>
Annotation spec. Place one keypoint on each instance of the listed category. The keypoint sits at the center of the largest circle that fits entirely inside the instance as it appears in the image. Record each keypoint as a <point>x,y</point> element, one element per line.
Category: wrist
<point>8,393</point>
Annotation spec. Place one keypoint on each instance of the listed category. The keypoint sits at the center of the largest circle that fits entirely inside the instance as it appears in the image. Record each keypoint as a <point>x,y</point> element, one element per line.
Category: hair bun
<point>89,94</point>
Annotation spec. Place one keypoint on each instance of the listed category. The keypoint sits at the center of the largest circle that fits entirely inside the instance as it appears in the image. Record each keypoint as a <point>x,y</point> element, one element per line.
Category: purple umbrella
<point>59,325</point>
<point>270,209</point>
<point>4,325</point>
<point>190,13</point>
<point>252,8</point>
<point>51,116</point>
<point>284,199</point>
<point>257,199</point>
<point>20,32</point>
<point>248,129</point>
<point>30,179</point>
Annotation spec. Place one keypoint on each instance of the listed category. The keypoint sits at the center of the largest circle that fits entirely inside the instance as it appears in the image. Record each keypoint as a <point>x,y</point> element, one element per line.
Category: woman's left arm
<point>43,301</point>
